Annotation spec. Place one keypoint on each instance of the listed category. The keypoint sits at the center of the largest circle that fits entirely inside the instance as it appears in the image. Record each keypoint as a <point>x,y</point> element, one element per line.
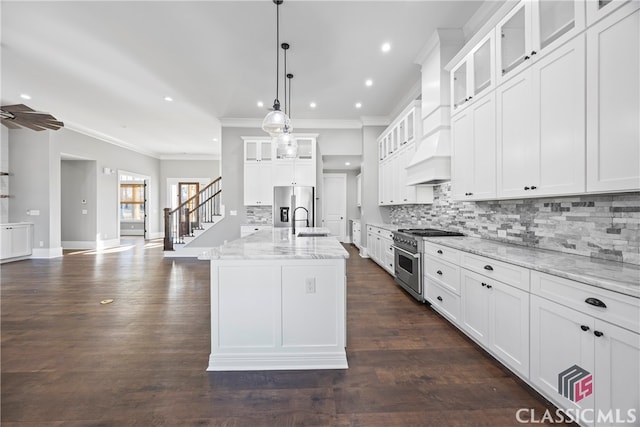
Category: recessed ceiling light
<point>369,82</point>
<point>347,164</point>
<point>312,105</point>
<point>386,47</point>
<point>25,96</point>
<point>260,104</point>
<point>168,98</point>
<point>358,104</point>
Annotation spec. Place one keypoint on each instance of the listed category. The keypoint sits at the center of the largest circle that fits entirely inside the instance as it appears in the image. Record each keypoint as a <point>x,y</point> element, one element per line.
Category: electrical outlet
<point>310,285</point>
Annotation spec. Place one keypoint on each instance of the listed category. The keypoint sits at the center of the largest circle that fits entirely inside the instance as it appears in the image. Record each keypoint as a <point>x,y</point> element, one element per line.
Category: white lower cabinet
<point>497,316</point>
<point>15,241</point>
<point>380,247</point>
<point>605,388</point>
<point>246,230</point>
<point>443,300</point>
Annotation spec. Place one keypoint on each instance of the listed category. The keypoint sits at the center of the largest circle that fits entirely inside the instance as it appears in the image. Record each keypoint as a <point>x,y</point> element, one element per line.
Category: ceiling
<point>105,67</point>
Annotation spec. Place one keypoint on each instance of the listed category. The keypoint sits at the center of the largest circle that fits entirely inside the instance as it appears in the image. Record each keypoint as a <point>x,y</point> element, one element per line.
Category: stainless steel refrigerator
<point>293,201</point>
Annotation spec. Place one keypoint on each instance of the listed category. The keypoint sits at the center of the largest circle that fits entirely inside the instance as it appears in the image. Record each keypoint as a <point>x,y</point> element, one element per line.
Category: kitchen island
<point>278,301</point>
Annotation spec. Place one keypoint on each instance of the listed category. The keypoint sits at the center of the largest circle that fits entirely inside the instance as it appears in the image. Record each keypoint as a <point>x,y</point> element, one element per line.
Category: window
<point>132,202</point>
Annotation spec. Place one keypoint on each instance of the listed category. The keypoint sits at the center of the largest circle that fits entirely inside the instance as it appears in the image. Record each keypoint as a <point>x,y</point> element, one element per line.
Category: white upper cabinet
<point>301,170</point>
<point>613,101</point>
<point>598,9</point>
<point>533,28</point>
<point>541,124</point>
<point>474,151</point>
<point>474,75</point>
<point>257,150</point>
<point>258,188</point>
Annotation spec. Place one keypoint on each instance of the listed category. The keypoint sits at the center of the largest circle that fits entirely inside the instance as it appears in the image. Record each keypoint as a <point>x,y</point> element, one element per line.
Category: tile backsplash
<point>598,226</point>
<point>259,215</point>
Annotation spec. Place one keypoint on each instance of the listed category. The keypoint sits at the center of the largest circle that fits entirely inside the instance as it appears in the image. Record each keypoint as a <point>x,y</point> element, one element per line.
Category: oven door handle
<point>416,256</point>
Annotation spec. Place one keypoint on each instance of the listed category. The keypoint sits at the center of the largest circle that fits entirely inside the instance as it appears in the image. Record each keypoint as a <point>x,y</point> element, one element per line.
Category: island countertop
<point>279,243</point>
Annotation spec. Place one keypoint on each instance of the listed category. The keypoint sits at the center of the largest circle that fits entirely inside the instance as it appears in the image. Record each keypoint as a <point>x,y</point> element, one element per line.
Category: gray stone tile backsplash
<point>599,226</point>
<point>259,215</point>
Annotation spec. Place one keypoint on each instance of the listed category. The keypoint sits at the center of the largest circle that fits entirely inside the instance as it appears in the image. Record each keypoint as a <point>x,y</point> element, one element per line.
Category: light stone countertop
<point>614,276</point>
<point>279,243</point>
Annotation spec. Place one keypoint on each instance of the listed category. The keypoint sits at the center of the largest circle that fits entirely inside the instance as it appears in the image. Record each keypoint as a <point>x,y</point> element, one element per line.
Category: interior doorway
<point>133,199</point>
<point>334,204</point>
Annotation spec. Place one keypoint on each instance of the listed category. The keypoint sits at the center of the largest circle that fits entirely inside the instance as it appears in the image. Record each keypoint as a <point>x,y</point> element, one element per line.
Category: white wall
<point>370,211</point>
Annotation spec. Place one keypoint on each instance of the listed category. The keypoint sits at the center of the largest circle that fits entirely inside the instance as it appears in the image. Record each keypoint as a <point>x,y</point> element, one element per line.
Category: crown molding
<point>190,156</point>
<point>231,122</point>
<point>75,127</point>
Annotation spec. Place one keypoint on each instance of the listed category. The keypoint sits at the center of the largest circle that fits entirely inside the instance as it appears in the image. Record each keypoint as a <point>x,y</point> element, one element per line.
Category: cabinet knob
<point>439,251</point>
<point>533,52</point>
<point>598,333</point>
<point>488,267</point>
<point>527,57</point>
<point>489,286</point>
<point>584,328</point>
<point>439,272</point>
<point>439,298</point>
<point>533,187</point>
<point>470,98</point>
<point>483,284</point>
<point>526,188</point>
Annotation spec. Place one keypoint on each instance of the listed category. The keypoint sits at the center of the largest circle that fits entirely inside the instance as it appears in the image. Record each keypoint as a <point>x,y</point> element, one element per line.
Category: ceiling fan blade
<point>10,124</point>
<point>22,116</point>
<point>17,107</point>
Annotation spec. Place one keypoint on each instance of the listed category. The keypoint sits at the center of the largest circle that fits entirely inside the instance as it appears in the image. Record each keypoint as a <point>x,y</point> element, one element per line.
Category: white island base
<point>276,314</point>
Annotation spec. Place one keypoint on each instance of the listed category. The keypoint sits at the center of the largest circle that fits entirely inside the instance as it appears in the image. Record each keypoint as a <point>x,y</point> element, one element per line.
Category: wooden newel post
<point>168,242</point>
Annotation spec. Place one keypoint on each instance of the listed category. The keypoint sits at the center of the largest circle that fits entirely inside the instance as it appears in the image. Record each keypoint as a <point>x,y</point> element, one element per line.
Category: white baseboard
<point>106,244</point>
<point>274,361</point>
<point>46,253</point>
<point>79,244</point>
<point>364,253</point>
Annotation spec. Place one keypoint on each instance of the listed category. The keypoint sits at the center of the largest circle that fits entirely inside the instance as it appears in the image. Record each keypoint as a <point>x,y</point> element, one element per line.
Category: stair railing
<point>182,220</point>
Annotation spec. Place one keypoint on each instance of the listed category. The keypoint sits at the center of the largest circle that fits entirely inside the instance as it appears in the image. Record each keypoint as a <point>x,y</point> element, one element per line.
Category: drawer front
<point>507,273</point>
<point>442,252</point>
<point>443,272</point>
<point>387,234</point>
<point>371,229</point>
<point>443,301</point>
<point>621,310</point>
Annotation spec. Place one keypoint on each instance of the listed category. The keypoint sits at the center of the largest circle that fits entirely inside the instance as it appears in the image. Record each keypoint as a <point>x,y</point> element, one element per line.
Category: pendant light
<point>285,143</point>
<point>291,150</point>
<point>275,122</point>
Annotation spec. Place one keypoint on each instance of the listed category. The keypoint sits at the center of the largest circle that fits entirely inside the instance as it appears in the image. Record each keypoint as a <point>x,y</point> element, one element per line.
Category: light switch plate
<point>310,285</point>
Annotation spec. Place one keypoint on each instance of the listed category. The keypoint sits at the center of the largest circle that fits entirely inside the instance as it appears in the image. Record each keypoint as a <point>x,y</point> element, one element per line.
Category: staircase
<point>192,219</point>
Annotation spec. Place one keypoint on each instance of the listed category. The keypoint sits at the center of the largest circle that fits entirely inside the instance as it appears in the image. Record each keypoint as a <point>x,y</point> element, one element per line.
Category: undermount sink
<point>312,234</point>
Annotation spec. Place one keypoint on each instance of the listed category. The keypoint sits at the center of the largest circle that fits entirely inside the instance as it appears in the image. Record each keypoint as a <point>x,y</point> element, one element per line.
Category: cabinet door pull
<point>488,267</point>
<point>527,57</point>
<point>439,251</point>
<point>584,328</point>
<point>533,187</point>
<point>533,52</point>
<point>526,188</point>
<point>483,284</point>
<point>439,272</point>
<point>439,298</point>
<point>598,333</point>
<point>489,286</point>
<point>595,302</point>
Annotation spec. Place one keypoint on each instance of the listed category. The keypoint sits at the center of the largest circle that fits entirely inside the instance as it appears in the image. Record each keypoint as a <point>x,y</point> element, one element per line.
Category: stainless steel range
<point>408,250</point>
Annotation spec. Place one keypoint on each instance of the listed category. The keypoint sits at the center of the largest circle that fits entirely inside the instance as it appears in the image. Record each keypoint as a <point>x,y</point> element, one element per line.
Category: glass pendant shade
<point>275,123</point>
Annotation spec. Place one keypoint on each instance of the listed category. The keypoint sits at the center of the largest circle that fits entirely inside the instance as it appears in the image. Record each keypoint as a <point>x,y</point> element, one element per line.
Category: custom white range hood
<point>431,164</point>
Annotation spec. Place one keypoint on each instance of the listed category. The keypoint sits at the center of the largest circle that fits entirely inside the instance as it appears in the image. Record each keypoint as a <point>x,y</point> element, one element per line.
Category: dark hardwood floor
<point>141,360</point>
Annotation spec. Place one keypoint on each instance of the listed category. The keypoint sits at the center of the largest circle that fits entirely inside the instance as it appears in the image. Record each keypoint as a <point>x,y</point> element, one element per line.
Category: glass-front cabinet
<point>534,28</point>
<point>257,150</point>
<point>474,75</point>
